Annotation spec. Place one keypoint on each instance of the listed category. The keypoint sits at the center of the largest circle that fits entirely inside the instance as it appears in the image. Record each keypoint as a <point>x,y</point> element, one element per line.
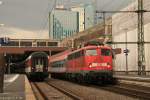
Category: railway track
<point>128,88</point>
<point>130,91</point>
<point>66,91</point>
<point>38,92</point>
<point>48,91</point>
<point>131,88</point>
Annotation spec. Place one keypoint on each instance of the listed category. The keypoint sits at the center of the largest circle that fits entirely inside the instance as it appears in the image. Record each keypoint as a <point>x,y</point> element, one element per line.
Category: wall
<point>127,23</point>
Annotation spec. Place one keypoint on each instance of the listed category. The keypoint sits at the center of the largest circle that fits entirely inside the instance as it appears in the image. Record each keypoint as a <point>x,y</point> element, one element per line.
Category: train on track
<point>36,66</point>
<point>91,63</point>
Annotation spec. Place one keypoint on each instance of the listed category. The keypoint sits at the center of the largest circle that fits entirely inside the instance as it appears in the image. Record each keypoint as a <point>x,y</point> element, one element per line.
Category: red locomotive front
<point>90,62</point>
<point>99,58</point>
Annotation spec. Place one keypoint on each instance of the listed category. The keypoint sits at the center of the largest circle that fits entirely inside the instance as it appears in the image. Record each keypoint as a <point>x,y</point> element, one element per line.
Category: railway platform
<point>17,87</point>
<point>133,77</point>
<point>134,80</point>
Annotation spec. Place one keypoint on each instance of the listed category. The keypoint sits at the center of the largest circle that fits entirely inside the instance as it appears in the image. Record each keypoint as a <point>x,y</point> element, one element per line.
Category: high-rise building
<point>86,15</point>
<point>89,15</point>
<point>63,23</point>
<point>81,11</point>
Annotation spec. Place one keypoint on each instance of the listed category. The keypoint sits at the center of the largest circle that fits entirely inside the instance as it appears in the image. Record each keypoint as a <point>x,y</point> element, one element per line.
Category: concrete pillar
<point>19,42</point>
<point>46,43</point>
<point>50,53</point>
<point>2,66</point>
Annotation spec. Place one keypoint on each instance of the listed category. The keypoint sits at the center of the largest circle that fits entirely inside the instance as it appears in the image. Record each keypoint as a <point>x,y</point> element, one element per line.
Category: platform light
<point>1,25</point>
<point>1,2</point>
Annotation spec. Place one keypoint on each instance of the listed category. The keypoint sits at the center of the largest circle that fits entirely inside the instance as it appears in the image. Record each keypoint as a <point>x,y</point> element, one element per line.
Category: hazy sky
<point>29,18</point>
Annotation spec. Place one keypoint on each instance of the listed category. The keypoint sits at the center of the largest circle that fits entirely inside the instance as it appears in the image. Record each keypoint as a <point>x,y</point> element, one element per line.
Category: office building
<point>63,23</point>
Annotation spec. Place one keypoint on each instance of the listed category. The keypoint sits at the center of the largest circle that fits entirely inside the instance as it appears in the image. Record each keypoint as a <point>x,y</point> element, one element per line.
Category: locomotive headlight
<point>32,68</point>
<point>108,65</point>
<point>90,65</point>
<point>46,68</point>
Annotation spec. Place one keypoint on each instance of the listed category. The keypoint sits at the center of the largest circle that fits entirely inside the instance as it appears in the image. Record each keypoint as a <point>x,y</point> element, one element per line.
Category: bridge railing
<point>29,46</point>
<point>29,43</point>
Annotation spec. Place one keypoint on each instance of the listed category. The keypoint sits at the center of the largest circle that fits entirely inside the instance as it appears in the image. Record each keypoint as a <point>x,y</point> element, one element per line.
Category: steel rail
<point>40,91</point>
<point>66,92</point>
<point>131,90</point>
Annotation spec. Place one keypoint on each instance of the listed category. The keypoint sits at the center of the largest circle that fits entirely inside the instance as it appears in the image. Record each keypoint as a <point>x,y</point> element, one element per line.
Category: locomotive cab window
<point>91,52</point>
<point>105,52</point>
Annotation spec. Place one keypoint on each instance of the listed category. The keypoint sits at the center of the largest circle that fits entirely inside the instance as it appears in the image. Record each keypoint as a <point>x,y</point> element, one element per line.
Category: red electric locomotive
<point>89,63</point>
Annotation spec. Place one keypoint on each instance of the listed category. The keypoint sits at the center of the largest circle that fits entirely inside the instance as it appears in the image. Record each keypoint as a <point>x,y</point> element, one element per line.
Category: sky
<point>29,18</point>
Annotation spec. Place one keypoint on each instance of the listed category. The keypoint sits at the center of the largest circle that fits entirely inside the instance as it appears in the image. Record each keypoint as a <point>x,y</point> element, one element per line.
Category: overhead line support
<point>141,49</point>
<point>140,30</point>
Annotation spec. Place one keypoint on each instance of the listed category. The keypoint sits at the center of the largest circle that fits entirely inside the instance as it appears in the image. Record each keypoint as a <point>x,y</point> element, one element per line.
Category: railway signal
<point>126,51</point>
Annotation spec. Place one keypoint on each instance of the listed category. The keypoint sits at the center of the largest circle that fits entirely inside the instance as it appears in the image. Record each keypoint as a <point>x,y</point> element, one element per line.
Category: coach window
<point>105,52</point>
<point>70,57</point>
<point>77,54</point>
<point>73,55</point>
<point>82,53</point>
<point>91,52</point>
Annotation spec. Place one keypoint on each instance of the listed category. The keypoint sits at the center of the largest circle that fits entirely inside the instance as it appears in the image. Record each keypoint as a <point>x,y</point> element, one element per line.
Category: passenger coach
<point>36,66</point>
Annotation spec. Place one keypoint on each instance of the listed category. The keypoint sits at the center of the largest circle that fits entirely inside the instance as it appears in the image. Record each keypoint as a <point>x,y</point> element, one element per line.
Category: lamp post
<point>126,51</point>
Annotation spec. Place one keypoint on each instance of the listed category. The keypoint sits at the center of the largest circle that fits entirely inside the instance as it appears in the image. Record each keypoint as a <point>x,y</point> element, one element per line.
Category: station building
<point>125,29</point>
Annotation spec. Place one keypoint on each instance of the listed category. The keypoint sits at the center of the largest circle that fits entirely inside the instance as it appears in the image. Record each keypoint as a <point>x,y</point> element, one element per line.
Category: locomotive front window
<point>105,52</point>
<point>91,52</point>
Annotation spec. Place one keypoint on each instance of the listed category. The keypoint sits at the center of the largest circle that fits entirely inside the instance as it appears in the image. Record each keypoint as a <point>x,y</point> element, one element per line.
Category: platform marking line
<point>11,79</point>
<point>28,90</point>
<point>141,78</point>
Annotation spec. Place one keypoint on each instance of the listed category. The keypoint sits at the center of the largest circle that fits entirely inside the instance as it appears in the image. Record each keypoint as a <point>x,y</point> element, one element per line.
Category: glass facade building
<point>89,15</point>
<point>86,15</point>
<point>81,11</point>
<point>63,24</point>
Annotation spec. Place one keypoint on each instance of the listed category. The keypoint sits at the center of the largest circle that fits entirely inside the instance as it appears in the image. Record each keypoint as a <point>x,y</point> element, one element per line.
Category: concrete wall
<point>127,24</point>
